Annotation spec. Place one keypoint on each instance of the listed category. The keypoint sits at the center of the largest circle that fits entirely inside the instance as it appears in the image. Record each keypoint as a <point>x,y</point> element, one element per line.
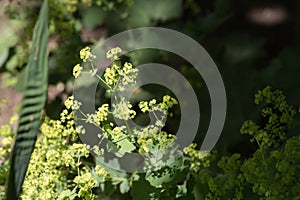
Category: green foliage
<point>278,115</point>
<point>61,167</point>
<point>272,172</point>
<point>275,174</point>
<point>35,88</point>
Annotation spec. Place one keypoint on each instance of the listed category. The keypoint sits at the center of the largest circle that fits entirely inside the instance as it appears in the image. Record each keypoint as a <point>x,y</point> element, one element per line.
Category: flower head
<point>69,102</point>
<point>77,70</point>
<point>113,53</point>
<point>122,110</point>
<point>102,113</point>
<point>85,54</point>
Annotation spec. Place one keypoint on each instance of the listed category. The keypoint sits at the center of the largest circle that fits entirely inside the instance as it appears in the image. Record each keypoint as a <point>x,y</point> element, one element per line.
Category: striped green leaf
<point>34,96</point>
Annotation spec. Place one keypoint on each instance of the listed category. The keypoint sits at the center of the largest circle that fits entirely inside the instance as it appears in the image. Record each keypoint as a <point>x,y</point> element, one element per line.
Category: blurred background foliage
<point>254,44</point>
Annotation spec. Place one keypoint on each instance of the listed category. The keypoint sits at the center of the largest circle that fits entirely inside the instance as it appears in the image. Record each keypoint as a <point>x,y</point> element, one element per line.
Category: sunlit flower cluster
<point>120,78</point>
<point>85,54</point>
<point>128,76</point>
<point>102,113</point>
<point>151,106</point>
<point>58,154</point>
<point>113,53</point>
<point>122,110</point>
<point>111,75</point>
<point>77,70</point>
<point>72,103</point>
<point>101,173</point>
<point>86,182</point>
<point>198,158</point>
<point>6,139</point>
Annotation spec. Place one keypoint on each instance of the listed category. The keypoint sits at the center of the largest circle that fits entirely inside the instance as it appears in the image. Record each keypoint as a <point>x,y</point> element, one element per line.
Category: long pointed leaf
<point>34,98</point>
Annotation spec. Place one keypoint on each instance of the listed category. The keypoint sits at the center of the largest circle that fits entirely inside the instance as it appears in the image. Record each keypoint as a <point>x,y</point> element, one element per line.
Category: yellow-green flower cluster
<point>152,138</point>
<point>90,118</point>
<point>55,157</point>
<point>97,150</point>
<point>198,158</point>
<point>6,140</point>
<point>122,110</point>
<point>80,149</point>
<point>151,106</point>
<point>86,182</point>
<point>111,75</point>
<point>101,173</point>
<point>148,106</point>
<point>65,115</point>
<point>148,131</point>
<point>120,78</point>
<point>77,70</point>
<point>117,133</point>
<point>102,113</point>
<point>70,5</point>
<point>6,143</point>
<point>69,102</point>
<point>66,195</point>
<point>277,113</point>
<point>68,156</point>
<point>72,103</point>
<point>85,54</point>
<point>113,53</point>
<point>80,129</point>
<point>128,76</point>
<point>58,155</point>
<point>168,102</point>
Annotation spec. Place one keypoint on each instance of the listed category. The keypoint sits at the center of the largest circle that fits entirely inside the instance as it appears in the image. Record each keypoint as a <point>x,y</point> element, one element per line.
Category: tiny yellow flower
<point>152,102</point>
<point>77,70</point>
<point>143,105</point>
<point>122,110</point>
<point>69,102</point>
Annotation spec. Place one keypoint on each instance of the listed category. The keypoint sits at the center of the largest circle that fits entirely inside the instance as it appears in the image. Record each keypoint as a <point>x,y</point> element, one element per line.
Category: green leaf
<point>141,189</point>
<point>126,145</point>
<point>157,178</point>
<point>199,189</point>
<point>34,97</point>
<point>124,186</point>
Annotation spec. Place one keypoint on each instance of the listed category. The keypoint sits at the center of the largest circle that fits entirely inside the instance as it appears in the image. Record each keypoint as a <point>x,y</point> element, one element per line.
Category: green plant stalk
<point>35,84</point>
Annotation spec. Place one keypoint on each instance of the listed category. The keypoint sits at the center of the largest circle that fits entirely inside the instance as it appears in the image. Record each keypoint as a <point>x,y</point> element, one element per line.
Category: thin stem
<point>78,163</point>
<point>155,115</point>
<point>128,127</point>
<point>99,77</point>
<point>98,126</point>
